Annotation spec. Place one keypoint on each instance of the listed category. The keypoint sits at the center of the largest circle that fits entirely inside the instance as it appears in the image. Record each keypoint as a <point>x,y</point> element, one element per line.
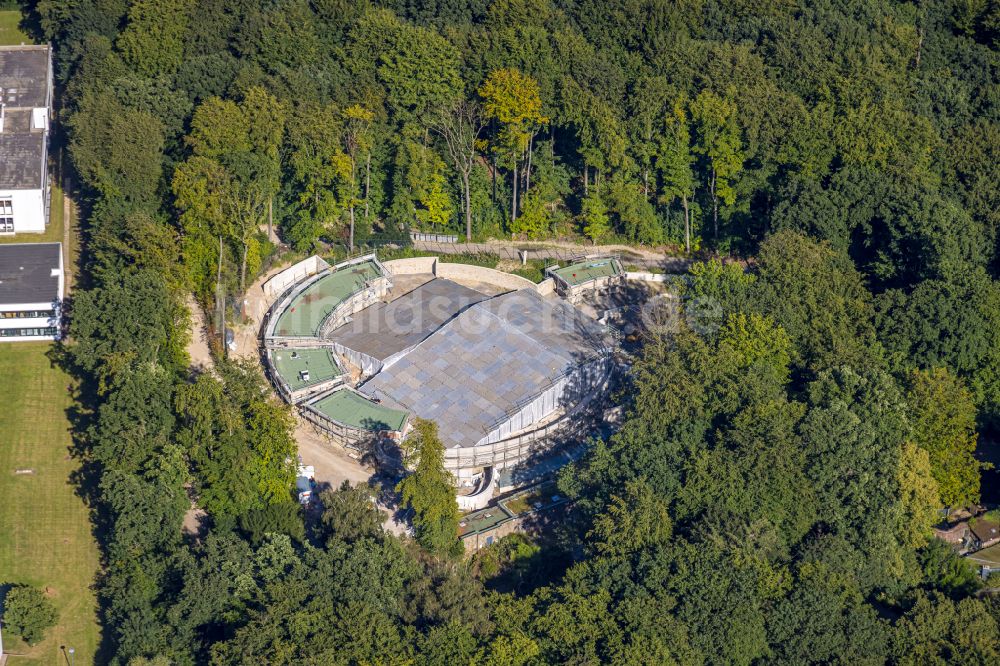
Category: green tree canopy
<point>27,613</point>
<point>429,490</point>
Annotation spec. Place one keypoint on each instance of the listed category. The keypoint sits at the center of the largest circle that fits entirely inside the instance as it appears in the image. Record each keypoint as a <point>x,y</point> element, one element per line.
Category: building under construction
<point>501,374</point>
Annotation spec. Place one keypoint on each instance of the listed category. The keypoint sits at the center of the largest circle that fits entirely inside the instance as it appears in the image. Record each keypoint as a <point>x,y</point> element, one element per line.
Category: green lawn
<point>526,501</point>
<point>9,32</point>
<point>45,532</point>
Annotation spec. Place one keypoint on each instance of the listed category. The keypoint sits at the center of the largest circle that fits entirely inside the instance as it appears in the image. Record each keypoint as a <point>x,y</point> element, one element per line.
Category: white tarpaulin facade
<point>498,369</point>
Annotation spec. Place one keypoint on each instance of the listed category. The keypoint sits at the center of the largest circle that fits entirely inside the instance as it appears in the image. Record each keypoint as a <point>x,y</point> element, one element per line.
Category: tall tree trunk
<point>220,301</point>
<point>586,180</point>
<point>243,268</point>
<point>351,242</point>
<point>368,180</point>
<point>715,210</point>
<point>687,225</point>
<point>513,200</point>
<point>468,207</point>
<point>270,218</point>
<point>493,175</point>
<point>354,195</point>
<point>645,183</point>
<point>527,173</point>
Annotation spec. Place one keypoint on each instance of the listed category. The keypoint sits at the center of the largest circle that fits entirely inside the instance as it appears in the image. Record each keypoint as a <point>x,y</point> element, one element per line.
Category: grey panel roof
<point>21,156</point>
<point>388,328</point>
<point>488,360</point>
<point>26,273</point>
<point>24,86</point>
<point>24,75</point>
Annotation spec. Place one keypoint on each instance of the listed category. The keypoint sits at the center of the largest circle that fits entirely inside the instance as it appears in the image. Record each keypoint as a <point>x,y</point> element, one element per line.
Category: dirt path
<point>561,250</point>
<point>69,219</point>
<point>197,347</point>
<point>333,465</point>
<point>255,305</point>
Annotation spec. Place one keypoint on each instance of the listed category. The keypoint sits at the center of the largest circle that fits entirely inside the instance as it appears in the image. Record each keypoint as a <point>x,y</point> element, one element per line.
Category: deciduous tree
<point>429,491</point>
<point>718,141</point>
<point>27,613</point>
<point>944,421</point>
<point>513,100</point>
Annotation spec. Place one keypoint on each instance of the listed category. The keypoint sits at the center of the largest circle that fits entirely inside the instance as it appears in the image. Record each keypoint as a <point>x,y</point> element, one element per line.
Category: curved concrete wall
<point>482,497</point>
<point>412,266</point>
<point>491,276</point>
<point>278,283</point>
<point>468,272</point>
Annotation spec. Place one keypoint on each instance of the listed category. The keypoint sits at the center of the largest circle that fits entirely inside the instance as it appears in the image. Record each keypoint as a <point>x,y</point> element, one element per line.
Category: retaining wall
<point>467,272</point>
<point>353,304</point>
<point>646,277</point>
<point>490,276</point>
<point>412,266</point>
<point>480,499</point>
<point>278,283</point>
<point>546,287</point>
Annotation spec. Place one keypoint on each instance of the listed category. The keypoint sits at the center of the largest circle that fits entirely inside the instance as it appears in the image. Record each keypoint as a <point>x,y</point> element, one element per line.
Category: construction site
<point>507,368</point>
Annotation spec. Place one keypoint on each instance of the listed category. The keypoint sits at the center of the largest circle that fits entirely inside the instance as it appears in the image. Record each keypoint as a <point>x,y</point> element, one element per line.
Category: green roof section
<point>482,520</point>
<point>355,411</point>
<point>590,269</point>
<point>302,368</point>
<point>303,316</point>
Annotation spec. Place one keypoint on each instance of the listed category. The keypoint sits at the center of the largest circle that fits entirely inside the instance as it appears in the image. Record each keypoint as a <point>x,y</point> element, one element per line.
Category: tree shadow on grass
<point>82,414</point>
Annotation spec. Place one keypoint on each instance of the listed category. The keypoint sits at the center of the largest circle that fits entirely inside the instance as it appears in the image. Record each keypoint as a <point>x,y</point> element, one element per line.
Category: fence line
<point>561,254</point>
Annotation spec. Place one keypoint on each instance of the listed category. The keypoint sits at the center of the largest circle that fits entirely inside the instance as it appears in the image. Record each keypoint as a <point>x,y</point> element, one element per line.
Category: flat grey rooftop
<point>389,328</point>
<point>24,76</point>
<point>22,155</point>
<point>487,361</point>
<point>24,86</point>
<point>26,273</point>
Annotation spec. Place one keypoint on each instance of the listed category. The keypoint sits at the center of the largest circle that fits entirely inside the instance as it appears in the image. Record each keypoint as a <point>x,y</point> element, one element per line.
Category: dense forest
<point>788,442</point>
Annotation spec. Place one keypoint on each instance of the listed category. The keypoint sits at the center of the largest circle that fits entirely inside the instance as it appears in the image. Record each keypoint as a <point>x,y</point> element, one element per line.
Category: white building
<point>31,291</point>
<point>25,103</point>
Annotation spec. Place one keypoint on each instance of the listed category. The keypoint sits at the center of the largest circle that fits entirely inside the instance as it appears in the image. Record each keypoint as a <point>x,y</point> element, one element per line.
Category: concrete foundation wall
<point>474,542</point>
<point>480,499</point>
<point>646,277</point>
<point>412,266</point>
<point>468,273</point>
<point>294,273</point>
<point>459,272</point>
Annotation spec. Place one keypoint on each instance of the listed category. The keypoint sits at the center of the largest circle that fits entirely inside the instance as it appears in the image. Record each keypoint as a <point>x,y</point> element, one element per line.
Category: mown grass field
<point>9,32</point>
<point>45,532</point>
